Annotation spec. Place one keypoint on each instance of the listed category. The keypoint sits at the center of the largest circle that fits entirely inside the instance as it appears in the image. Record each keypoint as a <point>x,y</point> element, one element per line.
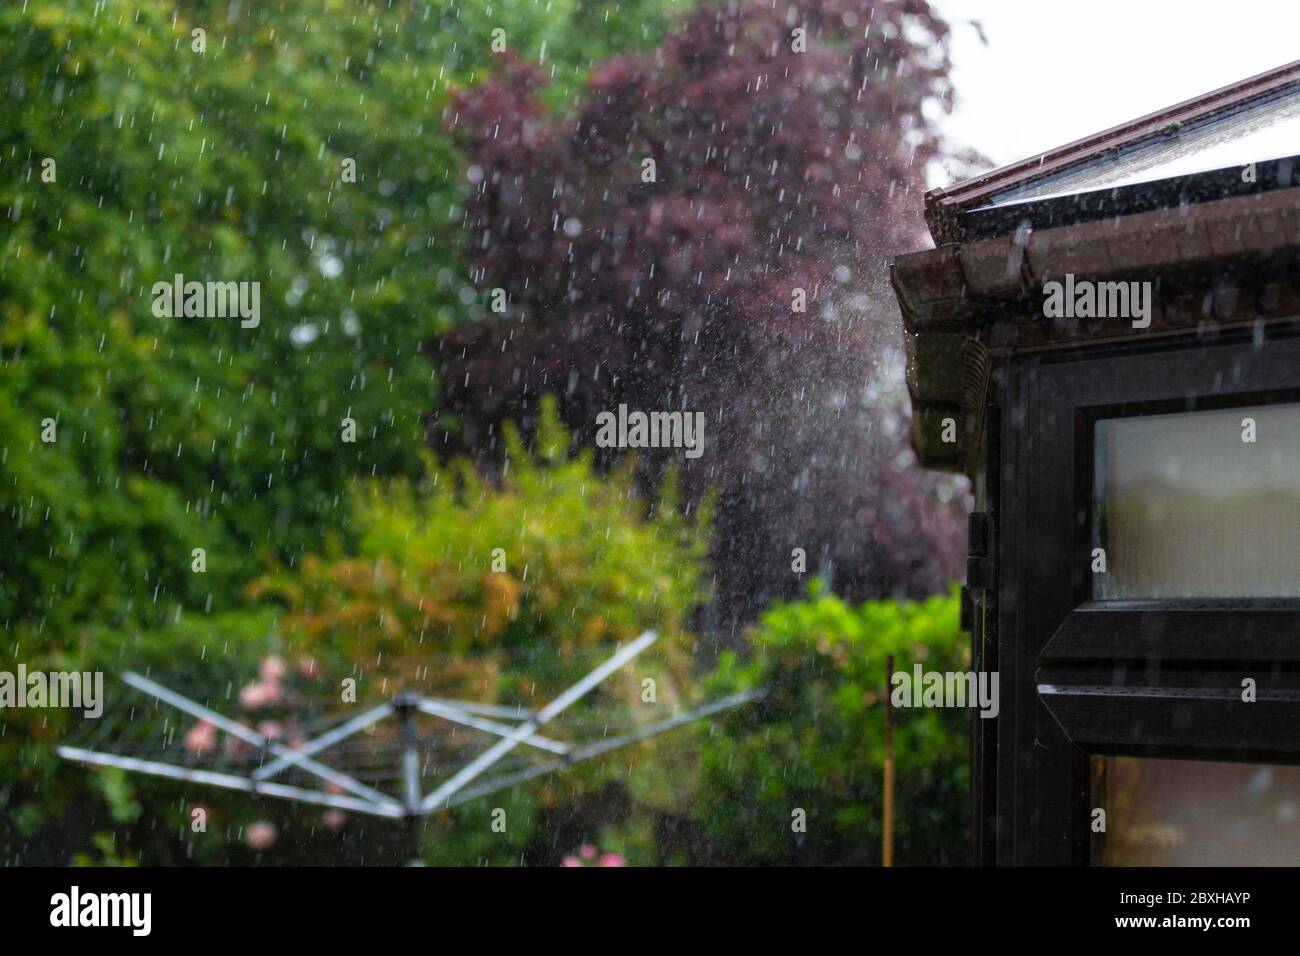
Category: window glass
<point>1198,504</point>
<point>1199,813</point>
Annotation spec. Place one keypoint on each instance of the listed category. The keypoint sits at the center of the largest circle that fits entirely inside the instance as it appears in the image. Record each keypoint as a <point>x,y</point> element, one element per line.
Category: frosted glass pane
<point>1185,507</point>
<point>1198,813</point>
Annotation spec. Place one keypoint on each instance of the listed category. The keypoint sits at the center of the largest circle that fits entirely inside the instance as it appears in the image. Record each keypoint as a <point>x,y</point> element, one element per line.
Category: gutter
<point>1221,263</point>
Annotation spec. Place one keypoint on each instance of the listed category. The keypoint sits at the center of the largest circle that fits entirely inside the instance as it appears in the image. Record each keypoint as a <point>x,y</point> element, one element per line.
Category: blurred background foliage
<point>374,557</point>
<point>817,741</point>
<point>549,554</point>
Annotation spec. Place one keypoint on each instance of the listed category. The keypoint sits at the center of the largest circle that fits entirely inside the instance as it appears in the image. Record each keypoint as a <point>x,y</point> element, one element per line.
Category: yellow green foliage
<point>482,579</point>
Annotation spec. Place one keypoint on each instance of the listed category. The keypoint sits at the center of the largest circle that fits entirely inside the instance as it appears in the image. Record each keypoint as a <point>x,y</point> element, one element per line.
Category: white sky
<point>1056,70</point>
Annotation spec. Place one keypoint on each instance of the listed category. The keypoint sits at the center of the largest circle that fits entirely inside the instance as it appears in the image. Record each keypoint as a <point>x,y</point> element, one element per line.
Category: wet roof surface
<point>1238,140</point>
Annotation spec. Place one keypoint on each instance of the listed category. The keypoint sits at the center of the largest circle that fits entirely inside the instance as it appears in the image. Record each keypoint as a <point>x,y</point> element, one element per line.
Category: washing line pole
<point>406,706</point>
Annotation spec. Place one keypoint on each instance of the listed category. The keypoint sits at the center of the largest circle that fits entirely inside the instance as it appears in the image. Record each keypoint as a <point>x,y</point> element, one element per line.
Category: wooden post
<point>888,854</point>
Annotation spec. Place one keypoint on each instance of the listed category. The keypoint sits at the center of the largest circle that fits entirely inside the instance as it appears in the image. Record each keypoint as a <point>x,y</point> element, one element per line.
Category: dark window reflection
<point>1197,813</point>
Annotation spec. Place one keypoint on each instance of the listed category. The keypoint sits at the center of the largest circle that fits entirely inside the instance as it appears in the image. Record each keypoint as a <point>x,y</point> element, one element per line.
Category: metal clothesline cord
<point>604,746</point>
<point>459,716</point>
<point>366,799</point>
<point>232,782</point>
<point>327,740</point>
<point>258,740</point>
<point>566,699</point>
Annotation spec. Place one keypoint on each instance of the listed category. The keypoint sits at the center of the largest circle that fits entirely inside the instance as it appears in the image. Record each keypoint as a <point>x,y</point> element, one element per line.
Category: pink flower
<point>308,667</point>
<point>259,694</point>
<point>251,695</point>
<point>588,855</point>
<point>273,669</point>
<point>270,729</point>
<point>201,738</point>
<point>334,819</point>
<point>260,835</point>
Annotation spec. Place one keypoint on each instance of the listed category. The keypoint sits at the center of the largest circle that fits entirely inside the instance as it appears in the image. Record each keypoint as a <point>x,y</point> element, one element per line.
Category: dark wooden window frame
<point>1084,677</point>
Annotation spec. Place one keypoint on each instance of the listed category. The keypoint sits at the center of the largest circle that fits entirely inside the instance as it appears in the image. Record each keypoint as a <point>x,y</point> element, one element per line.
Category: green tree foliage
<point>176,433</point>
<point>226,164</point>
<point>135,148</point>
<point>817,742</point>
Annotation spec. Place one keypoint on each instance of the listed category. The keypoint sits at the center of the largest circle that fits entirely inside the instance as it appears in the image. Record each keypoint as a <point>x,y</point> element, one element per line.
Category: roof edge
<point>942,205</point>
<point>957,285</point>
<point>966,304</point>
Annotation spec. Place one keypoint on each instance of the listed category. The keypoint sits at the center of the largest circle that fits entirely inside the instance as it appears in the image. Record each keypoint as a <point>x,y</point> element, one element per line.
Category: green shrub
<point>817,741</point>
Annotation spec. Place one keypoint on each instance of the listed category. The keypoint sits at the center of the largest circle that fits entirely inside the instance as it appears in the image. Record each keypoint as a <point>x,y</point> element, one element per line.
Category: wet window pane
<point>1198,813</point>
<point>1198,504</point>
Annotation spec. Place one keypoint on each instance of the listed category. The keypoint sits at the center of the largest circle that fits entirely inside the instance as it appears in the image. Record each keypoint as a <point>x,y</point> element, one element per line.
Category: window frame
<point>1155,677</point>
